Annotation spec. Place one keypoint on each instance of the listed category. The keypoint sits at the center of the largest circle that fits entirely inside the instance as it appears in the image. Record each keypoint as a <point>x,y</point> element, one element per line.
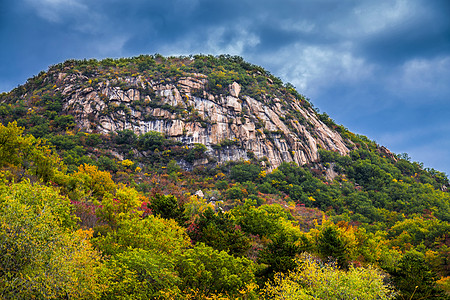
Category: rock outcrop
<point>231,125</point>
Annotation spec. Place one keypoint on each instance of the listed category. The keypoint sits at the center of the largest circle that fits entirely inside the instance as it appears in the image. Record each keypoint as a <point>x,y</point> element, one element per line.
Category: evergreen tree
<point>330,246</point>
<point>415,279</point>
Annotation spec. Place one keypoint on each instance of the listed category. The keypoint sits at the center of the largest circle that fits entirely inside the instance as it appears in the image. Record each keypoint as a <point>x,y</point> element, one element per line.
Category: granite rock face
<point>232,125</point>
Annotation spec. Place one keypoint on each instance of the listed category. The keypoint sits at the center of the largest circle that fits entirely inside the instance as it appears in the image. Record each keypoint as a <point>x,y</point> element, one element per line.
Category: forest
<point>76,222</point>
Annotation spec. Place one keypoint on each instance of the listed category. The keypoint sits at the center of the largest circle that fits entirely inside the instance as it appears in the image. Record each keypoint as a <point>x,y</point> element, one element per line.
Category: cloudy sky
<point>381,68</point>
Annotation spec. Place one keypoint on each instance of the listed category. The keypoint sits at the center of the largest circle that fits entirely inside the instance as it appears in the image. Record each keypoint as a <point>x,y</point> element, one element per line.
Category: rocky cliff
<point>230,121</point>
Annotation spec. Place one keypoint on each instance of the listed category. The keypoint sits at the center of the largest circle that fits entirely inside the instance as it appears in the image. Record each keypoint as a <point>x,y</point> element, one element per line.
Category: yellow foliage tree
<point>143,257</point>
<point>196,206</point>
<point>94,182</point>
<point>124,203</point>
<point>314,280</point>
<point>25,156</point>
<point>41,257</point>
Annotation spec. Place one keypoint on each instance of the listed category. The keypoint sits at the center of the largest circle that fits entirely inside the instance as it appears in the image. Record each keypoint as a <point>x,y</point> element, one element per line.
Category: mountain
<point>237,110</point>
<point>205,177</point>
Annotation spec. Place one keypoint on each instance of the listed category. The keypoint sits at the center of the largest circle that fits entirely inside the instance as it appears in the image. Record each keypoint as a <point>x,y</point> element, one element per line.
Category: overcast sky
<point>381,68</point>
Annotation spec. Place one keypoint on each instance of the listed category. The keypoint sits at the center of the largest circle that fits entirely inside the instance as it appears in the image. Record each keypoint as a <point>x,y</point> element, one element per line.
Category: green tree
<point>245,172</point>
<point>151,233</point>
<point>280,253</point>
<point>265,220</point>
<point>123,204</point>
<point>150,141</point>
<point>331,246</point>
<point>142,274</point>
<point>235,193</point>
<point>214,272</point>
<point>167,206</point>
<point>196,153</point>
<point>92,182</point>
<point>143,255</point>
<point>219,231</point>
<point>415,279</point>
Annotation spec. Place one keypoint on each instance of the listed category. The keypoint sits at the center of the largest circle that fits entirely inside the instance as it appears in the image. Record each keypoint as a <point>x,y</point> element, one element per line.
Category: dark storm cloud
<point>419,36</point>
<point>147,23</point>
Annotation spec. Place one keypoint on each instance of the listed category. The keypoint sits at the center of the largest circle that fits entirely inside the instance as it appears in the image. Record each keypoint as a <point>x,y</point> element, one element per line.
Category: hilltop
<point>237,110</point>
